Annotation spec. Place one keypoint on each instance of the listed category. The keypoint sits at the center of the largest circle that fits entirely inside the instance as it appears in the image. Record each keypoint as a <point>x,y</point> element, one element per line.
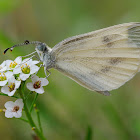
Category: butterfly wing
<point>102,60</point>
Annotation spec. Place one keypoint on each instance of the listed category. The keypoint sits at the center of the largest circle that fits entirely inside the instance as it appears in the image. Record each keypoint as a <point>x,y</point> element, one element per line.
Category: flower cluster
<point>12,74</point>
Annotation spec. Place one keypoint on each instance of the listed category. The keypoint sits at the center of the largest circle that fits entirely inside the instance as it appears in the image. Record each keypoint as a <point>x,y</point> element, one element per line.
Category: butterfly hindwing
<point>102,60</point>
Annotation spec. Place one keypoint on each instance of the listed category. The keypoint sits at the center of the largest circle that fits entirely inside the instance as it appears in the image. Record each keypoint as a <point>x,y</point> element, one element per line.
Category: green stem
<point>7,95</point>
<point>28,115</point>
<point>28,95</point>
<point>38,118</point>
<point>35,98</point>
<point>22,119</point>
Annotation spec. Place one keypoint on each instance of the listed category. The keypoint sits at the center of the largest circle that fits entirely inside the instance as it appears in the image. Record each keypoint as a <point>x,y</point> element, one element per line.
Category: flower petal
<point>3,64</point>
<point>33,69</point>
<point>44,81</point>
<point>12,93</point>
<point>19,102</point>
<point>17,70</point>
<point>9,105</point>
<point>39,90</point>
<point>8,114</point>
<point>35,78</point>
<point>17,114</point>
<point>35,62</point>
<point>9,74</point>
<point>17,84</point>
<point>23,76</point>
<point>11,79</point>
<point>3,83</point>
<point>3,69</point>
<point>30,86</point>
<point>5,89</point>
<point>18,60</point>
<point>8,62</point>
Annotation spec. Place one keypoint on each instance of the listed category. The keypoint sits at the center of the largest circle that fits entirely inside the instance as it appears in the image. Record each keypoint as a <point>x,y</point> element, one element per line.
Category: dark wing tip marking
<point>134,33</point>
<point>106,93</point>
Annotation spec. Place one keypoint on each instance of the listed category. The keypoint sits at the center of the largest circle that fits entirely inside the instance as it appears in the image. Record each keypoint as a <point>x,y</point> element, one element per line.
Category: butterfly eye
<point>42,47</point>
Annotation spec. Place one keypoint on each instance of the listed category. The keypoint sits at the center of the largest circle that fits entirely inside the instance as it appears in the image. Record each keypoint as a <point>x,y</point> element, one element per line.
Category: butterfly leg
<point>31,58</point>
<point>35,57</point>
<point>49,73</point>
<point>41,65</point>
<point>46,70</point>
<point>29,54</point>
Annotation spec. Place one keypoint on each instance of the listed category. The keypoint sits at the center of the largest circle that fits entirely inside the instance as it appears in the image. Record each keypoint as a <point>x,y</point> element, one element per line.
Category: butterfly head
<point>42,49</point>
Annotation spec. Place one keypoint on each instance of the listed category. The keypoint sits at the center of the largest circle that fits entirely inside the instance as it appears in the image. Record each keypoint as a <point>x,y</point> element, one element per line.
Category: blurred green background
<point>69,111</point>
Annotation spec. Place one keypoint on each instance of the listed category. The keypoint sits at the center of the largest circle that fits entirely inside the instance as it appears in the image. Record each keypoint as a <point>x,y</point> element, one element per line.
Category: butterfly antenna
<point>26,42</point>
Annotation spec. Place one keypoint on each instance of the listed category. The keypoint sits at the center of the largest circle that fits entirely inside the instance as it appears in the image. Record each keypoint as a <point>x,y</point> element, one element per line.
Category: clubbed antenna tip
<point>26,42</point>
<point>6,50</point>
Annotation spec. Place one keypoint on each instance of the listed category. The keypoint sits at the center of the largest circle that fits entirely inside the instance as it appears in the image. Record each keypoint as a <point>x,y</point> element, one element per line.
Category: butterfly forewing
<point>102,60</point>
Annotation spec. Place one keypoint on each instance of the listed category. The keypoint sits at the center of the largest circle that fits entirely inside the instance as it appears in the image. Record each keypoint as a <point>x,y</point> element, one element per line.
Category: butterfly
<point>100,61</point>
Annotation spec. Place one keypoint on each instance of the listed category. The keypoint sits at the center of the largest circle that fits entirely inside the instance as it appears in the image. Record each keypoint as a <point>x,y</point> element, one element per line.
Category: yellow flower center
<point>37,84</point>
<point>13,64</point>
<point>11,87</point>
<point>16,108</point>
<point>2,77</point>
<point>25,69</point>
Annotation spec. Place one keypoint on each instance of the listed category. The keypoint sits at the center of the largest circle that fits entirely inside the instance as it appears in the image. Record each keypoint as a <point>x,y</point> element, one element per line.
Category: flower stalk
<point>28,115</point>
<point>7,95</point>
<point>35,98</point>
<point>38,118</point>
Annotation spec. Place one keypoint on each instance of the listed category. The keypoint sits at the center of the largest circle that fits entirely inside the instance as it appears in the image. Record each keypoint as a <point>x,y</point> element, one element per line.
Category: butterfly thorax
<point>45,56</point>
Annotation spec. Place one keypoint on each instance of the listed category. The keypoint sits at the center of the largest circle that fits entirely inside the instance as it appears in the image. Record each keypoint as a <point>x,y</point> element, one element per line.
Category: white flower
<point>10,89</point>
<point>14,109</point>
<point>13,64</point>
<point>37,83</point>
<point>4,77</point>
<point>27,68</point>
<point>3,67</point>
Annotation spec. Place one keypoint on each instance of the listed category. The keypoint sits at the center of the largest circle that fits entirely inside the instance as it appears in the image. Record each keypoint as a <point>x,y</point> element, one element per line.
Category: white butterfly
<point>101,60</point>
